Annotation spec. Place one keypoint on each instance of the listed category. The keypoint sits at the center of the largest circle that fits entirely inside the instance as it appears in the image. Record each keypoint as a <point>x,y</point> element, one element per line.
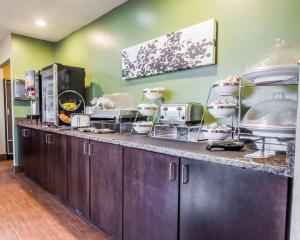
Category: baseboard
<point>5,157</point>
<point>18,169</point>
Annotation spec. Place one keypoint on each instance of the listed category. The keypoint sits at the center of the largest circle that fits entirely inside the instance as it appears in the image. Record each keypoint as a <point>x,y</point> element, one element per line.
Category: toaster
<point>187,113</point>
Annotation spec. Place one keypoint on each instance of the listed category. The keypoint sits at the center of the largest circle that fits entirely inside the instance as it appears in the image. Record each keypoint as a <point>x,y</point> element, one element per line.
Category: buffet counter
<point>282,165</point>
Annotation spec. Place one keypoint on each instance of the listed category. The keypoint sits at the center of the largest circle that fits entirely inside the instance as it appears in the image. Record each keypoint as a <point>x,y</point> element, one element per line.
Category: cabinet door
<point>34,154</point>
<point>25,146</point>
<point>106,187</point>
<point>22,147</point>
<point>58,179</point>
<point>78,175</point>
<point>44,160</point>
<point>150,196</point>
<point>221,202</point>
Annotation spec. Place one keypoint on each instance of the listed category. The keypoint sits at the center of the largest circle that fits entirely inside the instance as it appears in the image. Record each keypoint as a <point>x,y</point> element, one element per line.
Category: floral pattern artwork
<point>191,47</point>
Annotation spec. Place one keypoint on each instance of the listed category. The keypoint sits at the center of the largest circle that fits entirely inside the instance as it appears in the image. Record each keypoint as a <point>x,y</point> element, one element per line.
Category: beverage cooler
<point>63,91</point>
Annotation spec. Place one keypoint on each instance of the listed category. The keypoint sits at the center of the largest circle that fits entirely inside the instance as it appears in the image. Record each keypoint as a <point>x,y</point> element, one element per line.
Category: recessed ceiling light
<point>41,23</point>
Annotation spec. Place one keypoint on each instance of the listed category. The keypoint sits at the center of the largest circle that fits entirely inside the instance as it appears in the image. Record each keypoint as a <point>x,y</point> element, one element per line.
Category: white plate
<point>280,132</point>
<point>288,74</point>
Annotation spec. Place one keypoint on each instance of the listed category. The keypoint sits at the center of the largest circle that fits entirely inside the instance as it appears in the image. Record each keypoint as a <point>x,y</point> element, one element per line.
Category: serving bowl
<point>228,86</point>
<point>226,89</point>
<point>216,134</point>
<point>142,127</point>
<point>153,93</point>
<point>147,109</point>
<point>105,103</point>
<point>222,110</point>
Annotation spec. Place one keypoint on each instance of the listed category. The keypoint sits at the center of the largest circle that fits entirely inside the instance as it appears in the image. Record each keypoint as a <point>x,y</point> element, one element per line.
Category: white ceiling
<point>63,16</point>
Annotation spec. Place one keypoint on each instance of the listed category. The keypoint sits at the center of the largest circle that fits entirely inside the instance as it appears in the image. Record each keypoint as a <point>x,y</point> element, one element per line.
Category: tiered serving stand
<point>150,112</point>
<point>235,97</point>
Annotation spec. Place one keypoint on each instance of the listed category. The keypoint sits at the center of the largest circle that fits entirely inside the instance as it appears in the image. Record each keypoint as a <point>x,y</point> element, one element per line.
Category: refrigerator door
<point>49,93</point>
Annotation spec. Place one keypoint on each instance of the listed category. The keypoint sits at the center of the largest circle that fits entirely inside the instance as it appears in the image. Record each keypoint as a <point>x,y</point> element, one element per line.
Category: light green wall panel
<point>27,53</point>
<point>245,28</point>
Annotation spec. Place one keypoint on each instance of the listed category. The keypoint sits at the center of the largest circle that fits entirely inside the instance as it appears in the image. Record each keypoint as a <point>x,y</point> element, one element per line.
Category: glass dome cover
<point>279,63</point>
<point>277,114</point>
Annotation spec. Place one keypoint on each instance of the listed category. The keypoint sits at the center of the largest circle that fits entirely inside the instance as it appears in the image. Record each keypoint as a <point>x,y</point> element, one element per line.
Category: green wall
<point>27,53</point>
<point>245,28</point>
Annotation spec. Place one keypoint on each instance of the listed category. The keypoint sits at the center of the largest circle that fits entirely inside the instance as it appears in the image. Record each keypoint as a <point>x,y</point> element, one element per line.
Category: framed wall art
<point>191,47</point>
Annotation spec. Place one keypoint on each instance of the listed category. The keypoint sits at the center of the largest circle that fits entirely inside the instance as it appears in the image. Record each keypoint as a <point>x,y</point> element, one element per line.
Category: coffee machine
<point>32,93</point>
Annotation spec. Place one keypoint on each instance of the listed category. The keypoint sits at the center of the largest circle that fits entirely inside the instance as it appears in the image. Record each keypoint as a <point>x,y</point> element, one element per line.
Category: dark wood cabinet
<point>44,160</point>
<point>28,151</point>
<point>43,156</point>
<point>221,202</point>
<point>34,160</point>
<point>25,145</point>
<point>151,188</point>
<point>58,163</point>
<point>134,194</point>
<point>106,187</point>
<point>78,175</point>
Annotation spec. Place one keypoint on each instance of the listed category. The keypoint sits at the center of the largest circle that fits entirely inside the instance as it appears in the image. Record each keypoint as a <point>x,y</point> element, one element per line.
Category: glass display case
<point>56,79</point>
<point>176,132</point>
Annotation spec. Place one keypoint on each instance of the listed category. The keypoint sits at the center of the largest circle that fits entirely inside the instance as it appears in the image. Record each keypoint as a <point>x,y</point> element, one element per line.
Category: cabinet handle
<point>172,171</point>
<point>89,149</point>
<point>184,173</point>
<point>85,148</point>
<point>50,138</point>
<point>46,137</point>
<point>25,134</point>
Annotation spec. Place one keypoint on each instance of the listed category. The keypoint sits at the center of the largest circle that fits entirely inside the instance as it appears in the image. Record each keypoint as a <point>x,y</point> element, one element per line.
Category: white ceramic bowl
<point>153,93</point>
<point>142,127</point>
<point>147,109</point>
<point>216,134</point>
<point>221,110</point>
<point>226,89</point>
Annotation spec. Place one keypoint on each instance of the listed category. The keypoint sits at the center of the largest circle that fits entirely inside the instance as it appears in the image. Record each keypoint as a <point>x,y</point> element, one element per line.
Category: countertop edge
<point>264,168</point>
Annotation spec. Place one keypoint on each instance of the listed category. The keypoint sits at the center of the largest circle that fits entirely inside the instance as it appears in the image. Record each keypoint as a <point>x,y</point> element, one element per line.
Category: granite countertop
<point>279,165</point>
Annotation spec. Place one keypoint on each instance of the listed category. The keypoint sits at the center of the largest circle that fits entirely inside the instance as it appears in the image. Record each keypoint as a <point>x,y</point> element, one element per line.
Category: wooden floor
<point>29,212</point>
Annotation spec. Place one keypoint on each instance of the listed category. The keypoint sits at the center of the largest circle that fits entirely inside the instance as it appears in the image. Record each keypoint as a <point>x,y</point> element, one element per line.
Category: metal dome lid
<point>278,65</point>
<point>274,115</point>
